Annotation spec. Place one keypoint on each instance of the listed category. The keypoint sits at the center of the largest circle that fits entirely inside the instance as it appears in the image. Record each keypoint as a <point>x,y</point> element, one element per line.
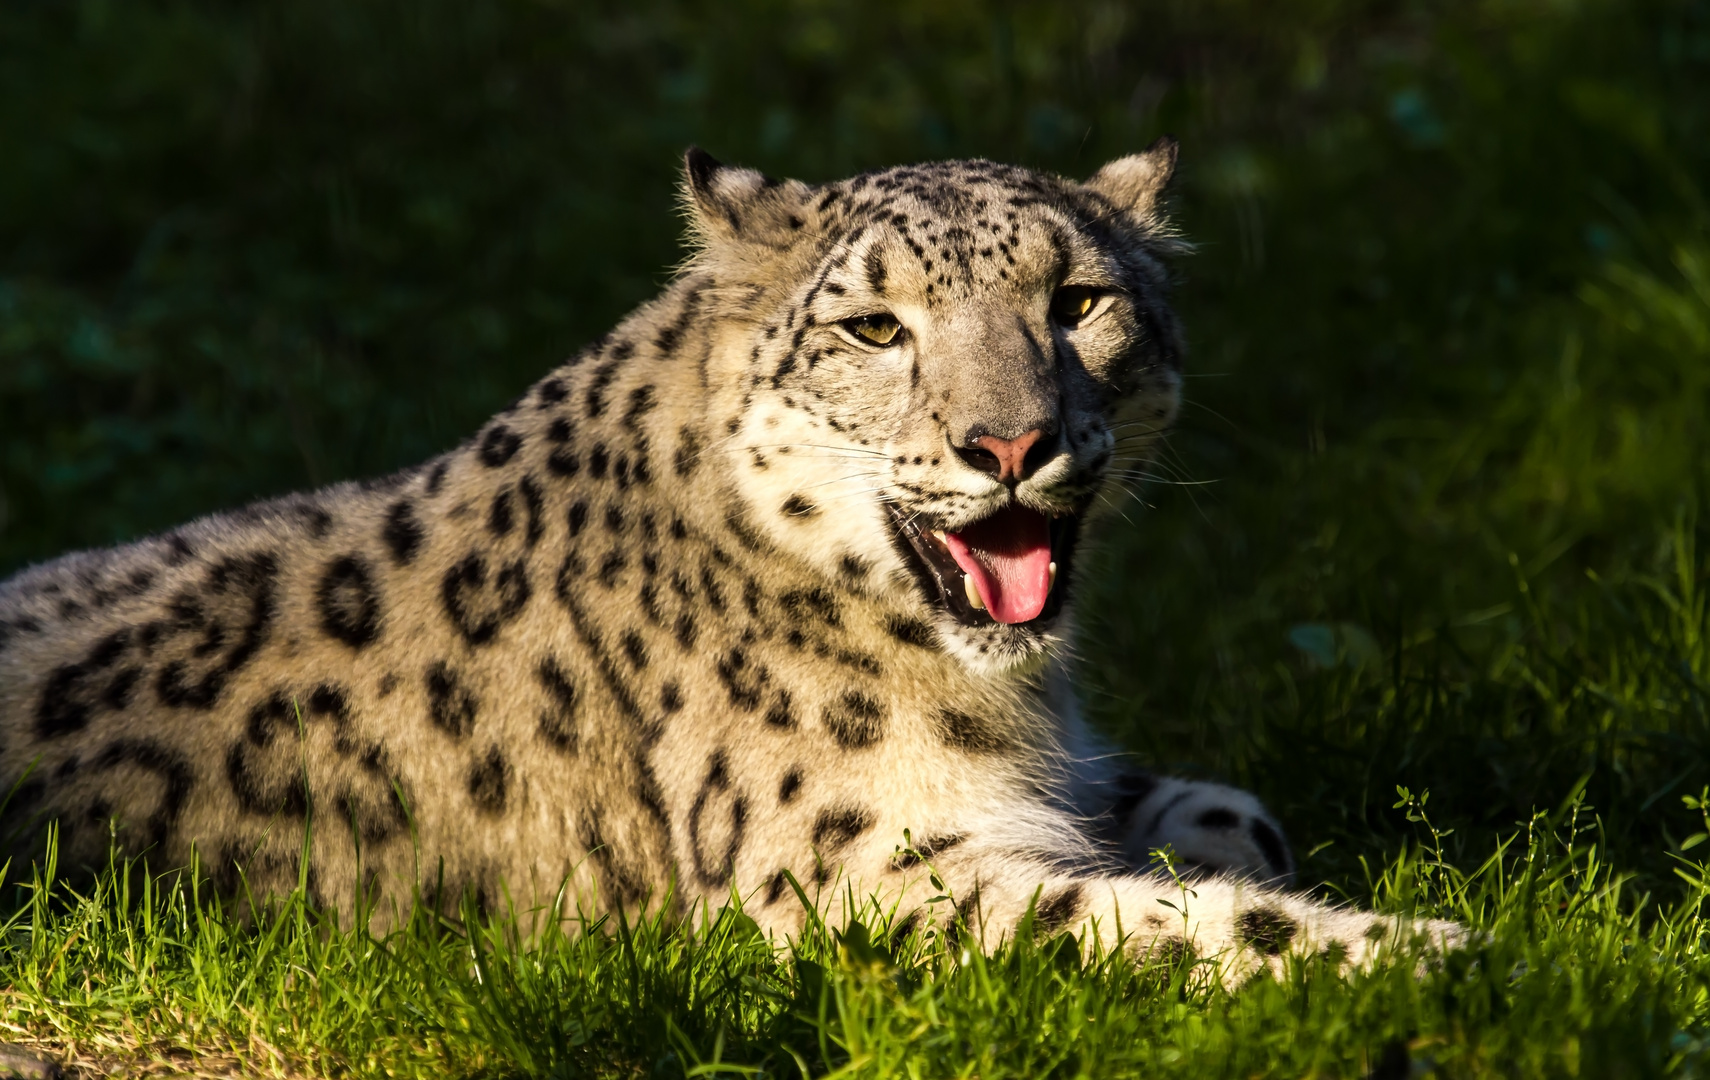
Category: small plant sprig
<point>1696,872</point>
<point>1426,869</point>
<point>1701,803</point>
<point>1167,858</point>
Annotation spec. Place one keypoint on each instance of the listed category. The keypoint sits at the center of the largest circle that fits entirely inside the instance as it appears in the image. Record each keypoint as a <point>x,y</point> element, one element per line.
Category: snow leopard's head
<point>939,370</point>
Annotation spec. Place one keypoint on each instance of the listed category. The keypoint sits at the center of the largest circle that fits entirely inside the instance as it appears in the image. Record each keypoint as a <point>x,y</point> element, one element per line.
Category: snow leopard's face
<point>966,359</point>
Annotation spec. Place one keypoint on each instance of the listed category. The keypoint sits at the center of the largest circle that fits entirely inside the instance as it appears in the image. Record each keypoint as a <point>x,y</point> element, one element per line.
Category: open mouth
<point>1010,567</point>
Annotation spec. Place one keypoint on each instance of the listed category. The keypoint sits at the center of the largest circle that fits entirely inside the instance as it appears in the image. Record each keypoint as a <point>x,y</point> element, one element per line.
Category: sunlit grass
<point>1571,974</point>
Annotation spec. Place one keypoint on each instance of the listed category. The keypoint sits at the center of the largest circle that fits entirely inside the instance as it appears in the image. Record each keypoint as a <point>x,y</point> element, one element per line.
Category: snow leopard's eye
<point>881,329</point>
<point>1072,303</point>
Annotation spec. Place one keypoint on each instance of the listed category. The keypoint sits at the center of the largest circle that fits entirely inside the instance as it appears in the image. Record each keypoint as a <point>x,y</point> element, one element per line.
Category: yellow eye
<point>880,329</point>
<point>1072,303</point>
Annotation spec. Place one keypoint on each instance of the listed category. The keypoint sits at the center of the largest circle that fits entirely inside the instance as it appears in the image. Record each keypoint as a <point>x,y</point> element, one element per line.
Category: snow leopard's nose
<point>1009,461</point>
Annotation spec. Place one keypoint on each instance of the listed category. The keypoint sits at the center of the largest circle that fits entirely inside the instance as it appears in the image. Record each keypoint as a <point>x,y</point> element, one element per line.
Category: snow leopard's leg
<point>1208,828</point>
<point>987,890</point>
<point>1244,926</point>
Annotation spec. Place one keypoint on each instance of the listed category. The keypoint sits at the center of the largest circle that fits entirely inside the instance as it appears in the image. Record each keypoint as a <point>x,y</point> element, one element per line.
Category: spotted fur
<point>653,630</point>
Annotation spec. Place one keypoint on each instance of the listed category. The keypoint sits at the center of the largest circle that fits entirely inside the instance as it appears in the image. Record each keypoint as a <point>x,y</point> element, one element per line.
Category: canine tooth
<point>974,600</point>
<point>1053,581</point>
<point>938,535</point>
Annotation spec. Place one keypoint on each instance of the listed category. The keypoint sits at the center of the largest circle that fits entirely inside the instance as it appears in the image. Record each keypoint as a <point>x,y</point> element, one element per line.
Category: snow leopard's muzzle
<point>1008,558</point>
<point>1022,446</point>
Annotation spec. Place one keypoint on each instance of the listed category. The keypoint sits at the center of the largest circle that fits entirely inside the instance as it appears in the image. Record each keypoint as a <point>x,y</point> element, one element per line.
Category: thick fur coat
<point>682,620</point>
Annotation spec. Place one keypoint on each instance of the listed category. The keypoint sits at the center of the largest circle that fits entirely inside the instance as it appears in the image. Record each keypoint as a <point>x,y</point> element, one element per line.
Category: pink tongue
<point>1009,557</point>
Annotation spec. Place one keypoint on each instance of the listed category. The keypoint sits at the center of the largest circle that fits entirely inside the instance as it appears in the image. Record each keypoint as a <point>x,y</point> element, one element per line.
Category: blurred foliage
<point>1451,305</point>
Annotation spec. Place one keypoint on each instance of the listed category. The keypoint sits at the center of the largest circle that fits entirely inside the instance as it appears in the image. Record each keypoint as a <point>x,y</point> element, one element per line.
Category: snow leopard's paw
<point>1209,828</point>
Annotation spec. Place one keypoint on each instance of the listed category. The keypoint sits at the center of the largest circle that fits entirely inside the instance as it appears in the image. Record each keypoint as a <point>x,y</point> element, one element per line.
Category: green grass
<point>1435,517</point>
<point>1573,975</point>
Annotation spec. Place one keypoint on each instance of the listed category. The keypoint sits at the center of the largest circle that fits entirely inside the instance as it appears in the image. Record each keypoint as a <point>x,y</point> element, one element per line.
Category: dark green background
<point>1451,304</point>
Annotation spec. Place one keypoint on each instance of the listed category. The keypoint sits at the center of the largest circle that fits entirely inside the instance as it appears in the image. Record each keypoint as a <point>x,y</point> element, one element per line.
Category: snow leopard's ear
<point>1133,184</point>
<point>727,203</point>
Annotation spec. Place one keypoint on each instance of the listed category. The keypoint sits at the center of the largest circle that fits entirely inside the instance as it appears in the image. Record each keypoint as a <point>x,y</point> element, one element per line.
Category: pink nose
<point>1011,454</point>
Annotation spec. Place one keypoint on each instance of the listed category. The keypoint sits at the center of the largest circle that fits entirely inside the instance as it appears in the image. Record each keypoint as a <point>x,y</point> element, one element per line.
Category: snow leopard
<point>765,597</point>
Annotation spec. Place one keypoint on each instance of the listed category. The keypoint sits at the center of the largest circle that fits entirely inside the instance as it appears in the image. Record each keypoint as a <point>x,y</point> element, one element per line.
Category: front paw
<point>1209,827</point>
<point>1427,940</point>
<point>1273,926</point>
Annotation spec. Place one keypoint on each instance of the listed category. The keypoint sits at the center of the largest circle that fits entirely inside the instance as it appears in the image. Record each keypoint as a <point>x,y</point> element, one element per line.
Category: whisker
<point>1150,425</point>
<point>852,494</point>
<point>1208,410</point>
<point>810,446</point>
<point>1117,507</point>
<point>1150,478</point>
<point>841,480</point>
